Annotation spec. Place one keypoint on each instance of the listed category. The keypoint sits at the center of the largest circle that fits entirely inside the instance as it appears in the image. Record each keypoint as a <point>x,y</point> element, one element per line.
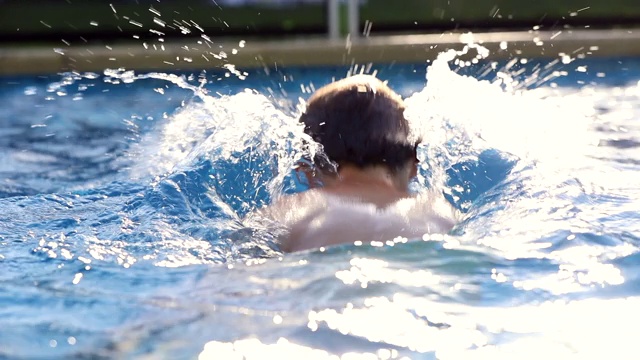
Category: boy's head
<point>359,121</point>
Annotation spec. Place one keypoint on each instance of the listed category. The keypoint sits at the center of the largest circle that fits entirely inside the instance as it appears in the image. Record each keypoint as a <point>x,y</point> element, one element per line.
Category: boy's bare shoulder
<point>288,216</point>
<point>288,213</point>
<point>290,207</point>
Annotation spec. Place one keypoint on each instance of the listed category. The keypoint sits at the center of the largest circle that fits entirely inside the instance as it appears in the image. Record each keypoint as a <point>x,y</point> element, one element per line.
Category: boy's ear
<point>414,170</point>
<point>307,173</point>
<point>416,160</point>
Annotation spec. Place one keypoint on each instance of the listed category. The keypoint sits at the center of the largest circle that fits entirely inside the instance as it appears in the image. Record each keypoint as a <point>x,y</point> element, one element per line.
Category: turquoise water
<point>122,198</point>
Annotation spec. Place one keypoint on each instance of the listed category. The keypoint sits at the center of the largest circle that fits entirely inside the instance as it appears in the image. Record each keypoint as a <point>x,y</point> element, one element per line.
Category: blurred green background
<point>72,20</point>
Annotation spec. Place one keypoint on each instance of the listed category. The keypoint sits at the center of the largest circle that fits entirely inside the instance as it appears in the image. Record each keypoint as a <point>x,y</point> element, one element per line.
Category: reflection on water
<point>123,196</point>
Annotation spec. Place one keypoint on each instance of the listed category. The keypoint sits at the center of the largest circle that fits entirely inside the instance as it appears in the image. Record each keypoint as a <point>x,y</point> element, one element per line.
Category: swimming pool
<point>122,193</point>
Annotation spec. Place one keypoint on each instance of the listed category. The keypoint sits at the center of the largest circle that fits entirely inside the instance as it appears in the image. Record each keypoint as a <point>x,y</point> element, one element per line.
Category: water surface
<point>121,233</point>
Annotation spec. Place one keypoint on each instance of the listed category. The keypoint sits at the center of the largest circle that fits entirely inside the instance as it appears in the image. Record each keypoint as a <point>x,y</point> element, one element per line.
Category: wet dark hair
<point>359,121</point>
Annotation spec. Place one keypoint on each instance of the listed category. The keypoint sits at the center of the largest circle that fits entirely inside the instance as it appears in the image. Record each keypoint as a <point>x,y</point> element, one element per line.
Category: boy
<point>359,188</point>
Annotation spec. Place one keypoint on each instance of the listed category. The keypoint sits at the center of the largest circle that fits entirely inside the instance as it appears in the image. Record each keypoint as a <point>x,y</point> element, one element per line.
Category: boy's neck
<point>369,179</point>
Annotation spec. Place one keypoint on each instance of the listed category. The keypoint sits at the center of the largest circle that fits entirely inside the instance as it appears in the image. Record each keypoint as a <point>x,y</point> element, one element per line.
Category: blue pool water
<point>122,197</point>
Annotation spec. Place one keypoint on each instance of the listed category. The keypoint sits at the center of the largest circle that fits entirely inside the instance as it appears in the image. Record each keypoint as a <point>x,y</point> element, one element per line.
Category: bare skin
<point>373,185</point>
<point>365,205</point>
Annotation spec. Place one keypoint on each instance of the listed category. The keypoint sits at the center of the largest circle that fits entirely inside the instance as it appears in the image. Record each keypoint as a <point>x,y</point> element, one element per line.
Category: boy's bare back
<point>318,218</point>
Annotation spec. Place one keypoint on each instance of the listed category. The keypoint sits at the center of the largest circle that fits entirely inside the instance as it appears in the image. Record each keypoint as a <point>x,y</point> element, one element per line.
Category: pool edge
<point>188,55</point>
